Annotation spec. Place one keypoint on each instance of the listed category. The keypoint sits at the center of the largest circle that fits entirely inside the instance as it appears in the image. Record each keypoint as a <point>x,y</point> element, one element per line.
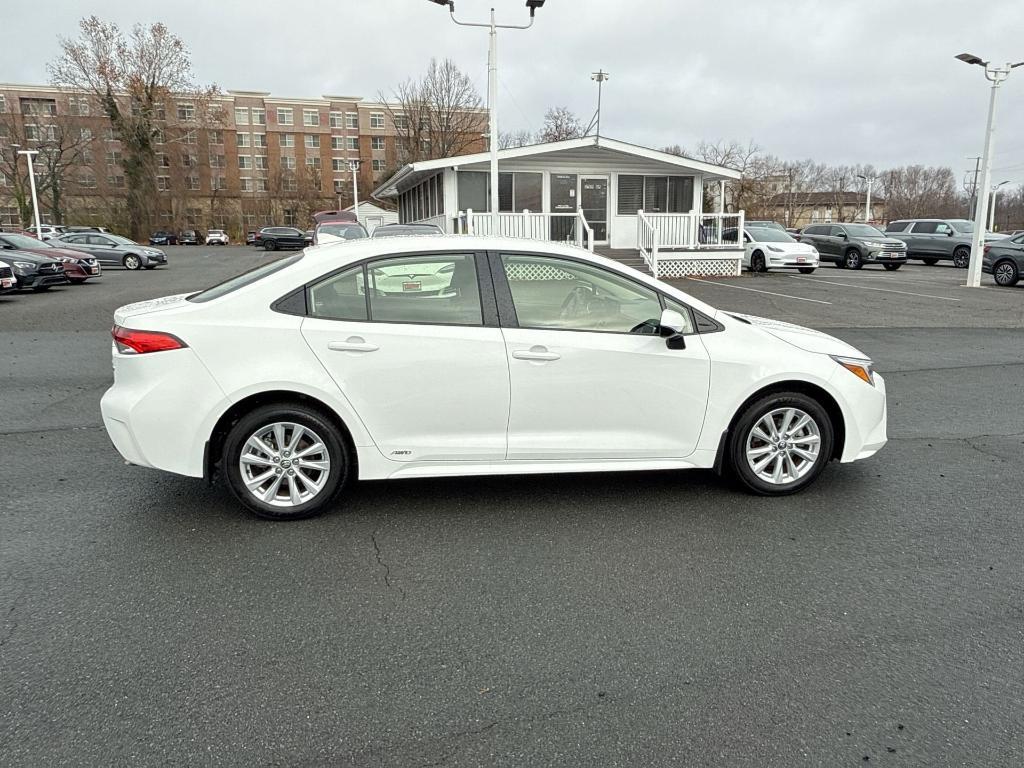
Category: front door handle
<point>535,353</point>
<point>352,344</point>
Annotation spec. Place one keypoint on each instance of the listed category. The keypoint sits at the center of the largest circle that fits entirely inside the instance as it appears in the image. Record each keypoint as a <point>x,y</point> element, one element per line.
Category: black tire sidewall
<point>959,251</point>
<point>128,260</point>
<point>1016,273</point>
<point>751,414</point>
<point>758,263</point>
<point>269,245</point>
<point>341,460</point>
<point>892,267</point>
<point>852,260</point>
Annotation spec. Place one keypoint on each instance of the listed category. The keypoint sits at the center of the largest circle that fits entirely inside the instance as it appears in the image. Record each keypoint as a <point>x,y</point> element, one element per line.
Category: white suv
<point>217,237</point>
<point>47,232</point>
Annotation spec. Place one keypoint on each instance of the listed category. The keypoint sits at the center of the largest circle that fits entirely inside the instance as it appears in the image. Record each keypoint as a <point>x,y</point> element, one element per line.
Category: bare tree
<point>439,115</point>
<point>134,77</point>
<point>916,190</point>
<point>560,124</point>
<point>513,139</point>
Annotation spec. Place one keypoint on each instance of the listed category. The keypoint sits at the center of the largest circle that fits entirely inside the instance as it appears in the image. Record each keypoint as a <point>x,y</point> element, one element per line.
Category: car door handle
<point>535,353</point>
<point>352,344</point>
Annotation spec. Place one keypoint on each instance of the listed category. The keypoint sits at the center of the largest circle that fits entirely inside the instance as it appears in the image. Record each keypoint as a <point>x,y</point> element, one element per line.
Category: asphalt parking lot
<point>641,619</point>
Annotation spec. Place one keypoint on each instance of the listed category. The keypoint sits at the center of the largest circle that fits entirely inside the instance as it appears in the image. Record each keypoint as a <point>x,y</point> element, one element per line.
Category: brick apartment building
<point>264,160</point>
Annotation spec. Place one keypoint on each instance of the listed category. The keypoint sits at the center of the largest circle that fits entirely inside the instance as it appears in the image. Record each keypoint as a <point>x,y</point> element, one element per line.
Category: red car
<point>78,266</point>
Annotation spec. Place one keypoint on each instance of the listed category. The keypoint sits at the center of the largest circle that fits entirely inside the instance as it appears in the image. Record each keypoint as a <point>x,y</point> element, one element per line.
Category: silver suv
<point>935,240</point>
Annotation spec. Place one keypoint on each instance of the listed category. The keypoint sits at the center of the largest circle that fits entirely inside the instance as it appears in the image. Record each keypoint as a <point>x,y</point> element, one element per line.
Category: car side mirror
<point>949,233</point>
<point>843,236</point>
<point>671,327</point>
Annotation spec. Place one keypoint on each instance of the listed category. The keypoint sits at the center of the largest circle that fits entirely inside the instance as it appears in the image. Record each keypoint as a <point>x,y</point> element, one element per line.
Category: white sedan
<point>217,237</point>
<point>765,248</point>
<point>293,379</point>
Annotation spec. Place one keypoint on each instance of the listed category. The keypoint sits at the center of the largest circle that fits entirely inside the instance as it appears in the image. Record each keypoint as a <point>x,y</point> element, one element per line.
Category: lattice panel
<point>534,271</point>
<point>698,267</point>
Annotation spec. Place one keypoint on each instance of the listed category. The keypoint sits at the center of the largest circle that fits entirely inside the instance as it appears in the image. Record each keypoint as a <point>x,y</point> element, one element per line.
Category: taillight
<point>132,342</point>
<point>986,249</point>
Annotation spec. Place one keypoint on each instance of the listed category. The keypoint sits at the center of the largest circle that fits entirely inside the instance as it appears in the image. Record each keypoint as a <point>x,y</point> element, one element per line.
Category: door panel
<point>563,200</point>
<point>594,204</point>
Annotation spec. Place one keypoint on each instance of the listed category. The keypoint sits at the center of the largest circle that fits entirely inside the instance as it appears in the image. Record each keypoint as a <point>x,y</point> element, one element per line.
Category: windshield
<point>244,279</point>
<point>24,241</point>
<point>766,235</point>
<point>344,230</point>
<point>961,225</point>
<point>863,230</point>
<point>121,240</point>
<point>766,225</point>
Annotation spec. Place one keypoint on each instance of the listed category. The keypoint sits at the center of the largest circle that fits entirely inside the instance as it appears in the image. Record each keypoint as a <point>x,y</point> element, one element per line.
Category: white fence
<point>559,227</point>
<point>658,233</point>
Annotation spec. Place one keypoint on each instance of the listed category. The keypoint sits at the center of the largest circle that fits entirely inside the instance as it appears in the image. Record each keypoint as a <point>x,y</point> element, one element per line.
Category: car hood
<point>121,314</point>
<point>796,247</point>
<point>883,240</point>
<point>803,338</point>
<point>31,256</point>
<point>60,252</point>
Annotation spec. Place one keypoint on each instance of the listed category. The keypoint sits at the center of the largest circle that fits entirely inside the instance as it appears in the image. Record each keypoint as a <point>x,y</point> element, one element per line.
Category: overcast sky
<point>842,81</point>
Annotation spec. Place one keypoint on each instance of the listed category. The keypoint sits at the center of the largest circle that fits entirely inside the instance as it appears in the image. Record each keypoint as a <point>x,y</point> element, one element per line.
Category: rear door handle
<point>535,353</point>
<point>352,344</point>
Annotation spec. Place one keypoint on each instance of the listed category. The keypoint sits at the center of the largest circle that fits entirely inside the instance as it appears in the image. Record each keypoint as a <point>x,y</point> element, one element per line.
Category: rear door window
<point>898,226</point>
<point>925,228</point>
<point>432,289</point>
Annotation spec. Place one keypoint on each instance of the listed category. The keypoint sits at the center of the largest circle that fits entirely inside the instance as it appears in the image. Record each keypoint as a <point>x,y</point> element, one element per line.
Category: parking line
<point>755,290</point>
<point>869,288</point>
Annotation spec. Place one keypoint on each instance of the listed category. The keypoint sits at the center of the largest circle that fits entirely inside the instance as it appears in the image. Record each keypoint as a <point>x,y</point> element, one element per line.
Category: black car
<point>187,237</point>
<point>163,238</point>
<point>272,238</point>
<point>852,246</point>
<point>40,273</point>
<point>1004,260</point>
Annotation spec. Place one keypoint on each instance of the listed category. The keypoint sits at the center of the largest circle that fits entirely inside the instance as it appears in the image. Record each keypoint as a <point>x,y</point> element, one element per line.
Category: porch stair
<point>629,256</point>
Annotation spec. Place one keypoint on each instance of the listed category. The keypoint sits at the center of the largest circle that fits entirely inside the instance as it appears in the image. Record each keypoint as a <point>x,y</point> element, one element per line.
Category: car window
<point>925,227</point>
<point>1017,239</point>
<point>434,289</point>
<point>836,231</point>
<point>97,240</point>
<point>340,297</point>
<point>942,228</point>
<point>814,230</point>
<point>898,226</point>
<point>549,292</point>
<point>244,279</point>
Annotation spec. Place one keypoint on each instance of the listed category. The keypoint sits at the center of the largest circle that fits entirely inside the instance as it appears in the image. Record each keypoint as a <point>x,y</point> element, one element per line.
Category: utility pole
<point>600,77</point>
<point>867,204</point>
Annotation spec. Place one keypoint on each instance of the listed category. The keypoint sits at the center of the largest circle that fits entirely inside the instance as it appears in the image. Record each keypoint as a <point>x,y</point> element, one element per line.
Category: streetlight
<point>28,153</point>
<point>992,206</point>
<point>995,75</point>
<point>492,89</point>
<point>354,167</point>
<point>599,77</point>
<point>867,204</point>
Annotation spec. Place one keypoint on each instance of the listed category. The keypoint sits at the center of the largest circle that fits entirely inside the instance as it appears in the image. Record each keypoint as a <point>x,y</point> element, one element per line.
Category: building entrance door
<point>594,204</point>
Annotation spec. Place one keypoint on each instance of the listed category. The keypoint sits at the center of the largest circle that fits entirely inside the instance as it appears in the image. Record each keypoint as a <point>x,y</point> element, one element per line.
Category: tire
<point>805,270</point>
<point>744,437</point>
<point>757,263</point>
<point>852,260</point>
<point>132,262</point>
<point>315,429</point>
<point>892,267</point>
<point>269,245</point>
<point>962,258</point>
<point>1005,273</point>
<point>930,262</point>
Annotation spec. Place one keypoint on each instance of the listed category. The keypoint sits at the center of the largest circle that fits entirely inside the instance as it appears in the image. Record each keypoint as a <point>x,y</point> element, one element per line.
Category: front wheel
<point>1006,273</point>
<point>805,270</point>
<point>892,267</point>
<point>852,260</point>
<point>757,263</point>
<point>780,443</point>
<point>131,261</point>
<point>961,258</point>
<point>285,462</point>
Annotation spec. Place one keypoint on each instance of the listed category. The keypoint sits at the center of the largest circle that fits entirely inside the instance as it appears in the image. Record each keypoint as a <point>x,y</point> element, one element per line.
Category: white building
<point>593,191</point>
<point>372,215</point>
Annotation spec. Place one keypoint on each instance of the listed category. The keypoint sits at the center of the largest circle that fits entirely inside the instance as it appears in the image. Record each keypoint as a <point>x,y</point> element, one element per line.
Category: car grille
<point>893,246</point>
<point>50,269</point>
<point>6,272</point>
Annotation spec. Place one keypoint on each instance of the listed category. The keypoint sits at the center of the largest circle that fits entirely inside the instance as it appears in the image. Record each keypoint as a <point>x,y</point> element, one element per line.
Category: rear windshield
<point>244,279</point>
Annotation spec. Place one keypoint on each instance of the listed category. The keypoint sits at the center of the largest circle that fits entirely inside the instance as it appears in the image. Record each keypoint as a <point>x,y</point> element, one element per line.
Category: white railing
<point>559,227</point>
<point>441,220</point>
<point>694,230</point>
<point>647,241</point>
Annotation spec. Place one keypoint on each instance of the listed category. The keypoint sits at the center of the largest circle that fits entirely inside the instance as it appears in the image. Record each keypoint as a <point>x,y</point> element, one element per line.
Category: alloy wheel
<point>284,464</point>
<point>131,261</point>
<point>783,446</point>
<point>1005,273</point>
<point>961,258</point>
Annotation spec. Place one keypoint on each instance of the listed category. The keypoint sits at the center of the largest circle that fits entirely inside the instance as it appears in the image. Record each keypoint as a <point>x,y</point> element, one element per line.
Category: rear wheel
<point>131,261</point>
<point>961,257</point>
<point>781,443</point>
<point>1005,273</point>
<point>757,263</point>
<point>851,259</point>
<point>269,245</point>
<point>285,462</point>
<point>892,267</point>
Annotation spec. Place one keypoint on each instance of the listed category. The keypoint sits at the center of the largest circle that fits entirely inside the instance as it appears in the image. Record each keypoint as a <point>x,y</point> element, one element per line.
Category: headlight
<point>68,260</point>
<point>24,265</point>
<point>862,369</point>
<point>776,250</point>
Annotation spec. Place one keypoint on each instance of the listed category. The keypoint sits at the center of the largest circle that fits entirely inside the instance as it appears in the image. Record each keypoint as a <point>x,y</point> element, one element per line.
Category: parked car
<point>1004,260</point>
<point>78,266</point>
<point>188,237</point>
<point>40,273</point>
<point>406,230</point>
<point>764,225</point>
<point>770,248</point>
<point>273,238</point>
<point>529,361</point>
<point>935,240</point>
<point>104,230</point>
<point>250,237</point>
<point>308,236</point>
<point>852,246</point>
<point>47,232</point>
<point>8,283</point>
<point>794,232</point>
<point>333,231</point>
<point>163,238</point>
<point>217,237</point>
<point>115,250</point>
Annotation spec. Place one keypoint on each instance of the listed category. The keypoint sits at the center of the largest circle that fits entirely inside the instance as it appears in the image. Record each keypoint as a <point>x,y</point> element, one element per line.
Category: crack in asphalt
<point>384,565</point>
<point>50,430</point>
<point>7,616</point>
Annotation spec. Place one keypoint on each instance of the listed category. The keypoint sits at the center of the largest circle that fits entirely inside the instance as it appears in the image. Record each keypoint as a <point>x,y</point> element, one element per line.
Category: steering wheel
<point>576,302</point>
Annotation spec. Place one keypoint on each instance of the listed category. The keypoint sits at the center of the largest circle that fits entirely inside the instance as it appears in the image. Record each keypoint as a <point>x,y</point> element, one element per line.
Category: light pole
<point>28,153</point>
<point>992,205</point>
<point>354,167</point>
<point>867,203</point>
<point>995,75</point>
<point>600,77</point>
<point>492,89</point>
